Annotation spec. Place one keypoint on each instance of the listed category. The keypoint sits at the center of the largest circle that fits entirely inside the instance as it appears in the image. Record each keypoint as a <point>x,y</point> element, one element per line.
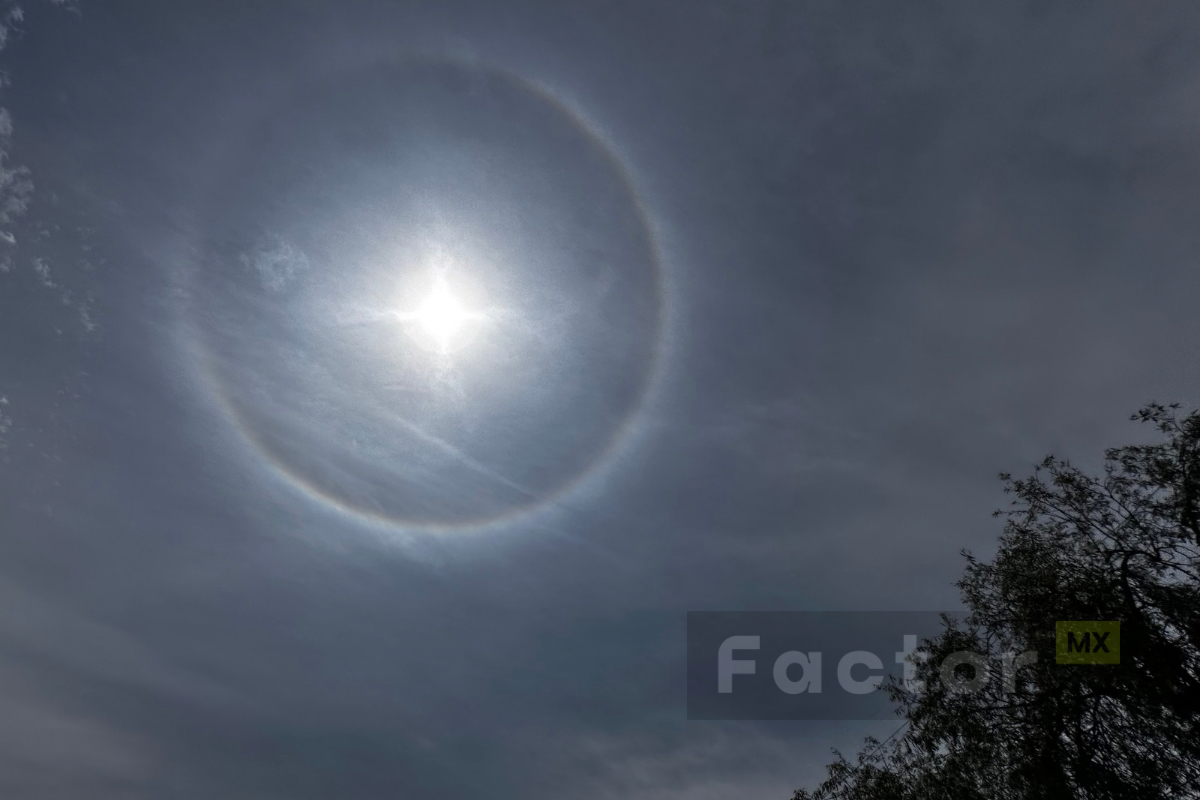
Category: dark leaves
<point>1122,546</point>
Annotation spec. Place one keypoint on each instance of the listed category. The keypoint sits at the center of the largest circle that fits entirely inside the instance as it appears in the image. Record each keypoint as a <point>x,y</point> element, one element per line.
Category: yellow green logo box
<point>1078,642</point>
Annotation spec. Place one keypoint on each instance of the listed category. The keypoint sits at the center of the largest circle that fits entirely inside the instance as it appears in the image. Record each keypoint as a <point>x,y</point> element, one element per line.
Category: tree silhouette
<point>1124,546</point>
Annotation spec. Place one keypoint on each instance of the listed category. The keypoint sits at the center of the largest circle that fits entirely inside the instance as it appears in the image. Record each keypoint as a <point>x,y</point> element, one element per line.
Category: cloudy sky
<point>381,383</point>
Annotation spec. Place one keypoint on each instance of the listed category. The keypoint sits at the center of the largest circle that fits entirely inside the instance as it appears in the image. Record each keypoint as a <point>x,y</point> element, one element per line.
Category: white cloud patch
<point>6,27</point>
<point>16,195</point>
<point>276,261</point>
<point>42,268</point>
<point>39,246</point>
<point>16,188</point>
<point>85,319</point>
<point>5,422</point>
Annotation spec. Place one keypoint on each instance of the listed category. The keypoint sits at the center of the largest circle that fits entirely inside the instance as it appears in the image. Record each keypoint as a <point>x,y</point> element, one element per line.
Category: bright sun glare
<point>441,315</point>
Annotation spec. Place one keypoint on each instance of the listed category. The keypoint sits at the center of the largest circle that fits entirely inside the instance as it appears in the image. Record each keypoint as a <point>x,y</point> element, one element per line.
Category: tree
<point>1124,546</point>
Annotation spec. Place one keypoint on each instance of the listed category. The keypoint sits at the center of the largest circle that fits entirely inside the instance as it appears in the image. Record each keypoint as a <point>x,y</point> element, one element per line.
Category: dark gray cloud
<point>906,247</point>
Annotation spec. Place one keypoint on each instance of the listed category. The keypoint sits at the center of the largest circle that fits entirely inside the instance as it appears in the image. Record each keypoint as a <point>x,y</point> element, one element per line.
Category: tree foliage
<point>1124,546</point>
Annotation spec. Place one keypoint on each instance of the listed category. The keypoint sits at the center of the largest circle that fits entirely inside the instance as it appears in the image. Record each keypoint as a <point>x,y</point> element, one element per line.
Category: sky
<point>750,304</point>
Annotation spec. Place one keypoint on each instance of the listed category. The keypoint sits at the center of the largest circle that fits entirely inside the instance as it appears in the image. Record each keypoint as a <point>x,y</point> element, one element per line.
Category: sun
<point>441,317</point>
<point>441,314</point>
